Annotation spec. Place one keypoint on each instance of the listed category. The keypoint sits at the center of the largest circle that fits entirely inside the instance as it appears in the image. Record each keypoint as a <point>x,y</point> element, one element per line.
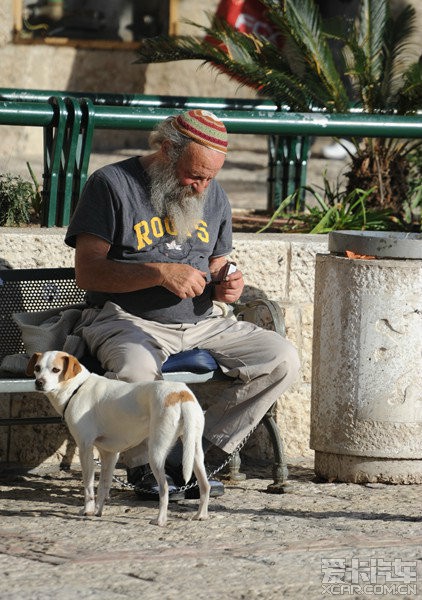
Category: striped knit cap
<point>204,128</point>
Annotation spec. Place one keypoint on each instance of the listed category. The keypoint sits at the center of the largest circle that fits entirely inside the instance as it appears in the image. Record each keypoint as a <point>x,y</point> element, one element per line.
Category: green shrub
<point>16,197</point>
<point>414,203</point>
<point>333,208</point>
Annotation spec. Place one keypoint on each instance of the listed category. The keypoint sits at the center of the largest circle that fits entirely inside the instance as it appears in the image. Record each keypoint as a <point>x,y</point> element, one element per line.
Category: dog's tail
<point>191,436</point>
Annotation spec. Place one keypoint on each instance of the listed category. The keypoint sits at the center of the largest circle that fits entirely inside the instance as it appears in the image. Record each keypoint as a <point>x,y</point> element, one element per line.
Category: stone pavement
<point>255,545</point>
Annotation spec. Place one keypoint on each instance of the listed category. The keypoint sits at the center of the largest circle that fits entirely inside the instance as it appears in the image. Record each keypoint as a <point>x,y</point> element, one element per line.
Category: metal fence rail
<point>161,101</point>
<point>252,121</point>
<point>70,120</point>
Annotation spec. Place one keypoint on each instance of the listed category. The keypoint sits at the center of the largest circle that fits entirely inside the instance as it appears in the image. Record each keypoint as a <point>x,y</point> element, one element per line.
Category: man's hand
<point>183,280</point>
<point>230,289</point>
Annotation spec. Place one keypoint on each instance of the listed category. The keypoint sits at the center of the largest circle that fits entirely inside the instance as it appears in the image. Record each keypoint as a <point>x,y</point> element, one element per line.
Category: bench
<point>35,290</point>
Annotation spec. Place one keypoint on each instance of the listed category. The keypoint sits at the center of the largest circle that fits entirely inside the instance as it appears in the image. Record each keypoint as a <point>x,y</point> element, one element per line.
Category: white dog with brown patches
<point>114,416</point>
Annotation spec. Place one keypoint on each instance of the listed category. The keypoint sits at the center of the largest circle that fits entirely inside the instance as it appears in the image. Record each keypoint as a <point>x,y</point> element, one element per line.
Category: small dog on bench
<point>114,416</point>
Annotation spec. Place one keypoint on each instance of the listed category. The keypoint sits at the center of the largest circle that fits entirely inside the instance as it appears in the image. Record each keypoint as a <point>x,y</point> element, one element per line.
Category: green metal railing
<point>69,120</point>
<point>162,101</point>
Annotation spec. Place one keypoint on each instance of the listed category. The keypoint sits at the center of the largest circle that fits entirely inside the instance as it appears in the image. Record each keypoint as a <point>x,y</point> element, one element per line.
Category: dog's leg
<point>108,462</point>
<point>157,467</point>
<point>204,486</point>
<point>161,439</point>
<point>86,454</point>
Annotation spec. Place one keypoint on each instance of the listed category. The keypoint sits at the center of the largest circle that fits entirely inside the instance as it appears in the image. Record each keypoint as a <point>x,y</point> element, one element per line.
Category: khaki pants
<point>262,364</point>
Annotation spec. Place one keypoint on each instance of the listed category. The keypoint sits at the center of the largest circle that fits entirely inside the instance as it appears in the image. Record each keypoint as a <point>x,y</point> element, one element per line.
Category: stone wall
<point>275,266</point>
<point>43,67</point>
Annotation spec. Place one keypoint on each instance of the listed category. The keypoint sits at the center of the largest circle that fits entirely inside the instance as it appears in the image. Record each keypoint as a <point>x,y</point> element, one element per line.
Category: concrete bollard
<point>366,400</point>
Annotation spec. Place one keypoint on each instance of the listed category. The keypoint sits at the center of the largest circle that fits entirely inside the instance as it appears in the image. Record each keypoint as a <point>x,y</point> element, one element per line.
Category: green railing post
<point>73,127</point>
<point>84,148</point>
<point>54,135</point>
<point>288,156</point>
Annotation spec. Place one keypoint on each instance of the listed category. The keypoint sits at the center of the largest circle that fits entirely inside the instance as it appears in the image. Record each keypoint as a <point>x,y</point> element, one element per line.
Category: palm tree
<point>376,59</point>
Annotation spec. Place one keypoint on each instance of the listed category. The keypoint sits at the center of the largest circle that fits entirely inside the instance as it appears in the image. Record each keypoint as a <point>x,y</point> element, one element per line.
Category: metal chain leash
<point>188,486</point>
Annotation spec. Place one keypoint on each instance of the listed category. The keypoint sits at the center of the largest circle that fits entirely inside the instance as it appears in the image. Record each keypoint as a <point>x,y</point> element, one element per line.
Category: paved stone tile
<point>255,544</point>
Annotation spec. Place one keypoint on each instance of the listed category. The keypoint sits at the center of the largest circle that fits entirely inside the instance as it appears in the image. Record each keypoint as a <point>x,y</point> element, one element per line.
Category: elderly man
<point>152,235</point>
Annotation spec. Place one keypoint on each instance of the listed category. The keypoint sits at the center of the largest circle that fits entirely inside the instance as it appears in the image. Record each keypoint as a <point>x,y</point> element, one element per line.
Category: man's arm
<point>94,271</point>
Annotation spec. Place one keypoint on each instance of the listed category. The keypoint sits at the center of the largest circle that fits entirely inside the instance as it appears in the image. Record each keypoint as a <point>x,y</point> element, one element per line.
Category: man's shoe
<point>146,486</point>
<point>217,487</point>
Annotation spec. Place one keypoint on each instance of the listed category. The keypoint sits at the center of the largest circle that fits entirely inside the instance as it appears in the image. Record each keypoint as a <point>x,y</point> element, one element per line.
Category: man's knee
<point>293,361</point>
<point>289,363</point>
<point>131,365</point>
<point>284,353</point>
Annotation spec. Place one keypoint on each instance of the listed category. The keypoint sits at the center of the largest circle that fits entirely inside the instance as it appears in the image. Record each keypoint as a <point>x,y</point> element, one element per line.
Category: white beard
<point>179,203</point>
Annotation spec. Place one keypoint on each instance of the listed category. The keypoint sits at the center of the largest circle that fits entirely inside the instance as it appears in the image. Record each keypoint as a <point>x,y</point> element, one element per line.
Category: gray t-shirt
<point>115,206</point>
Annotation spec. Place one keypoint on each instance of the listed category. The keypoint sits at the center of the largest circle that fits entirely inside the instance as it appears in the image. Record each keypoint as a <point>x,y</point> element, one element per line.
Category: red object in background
<point>249,16</point>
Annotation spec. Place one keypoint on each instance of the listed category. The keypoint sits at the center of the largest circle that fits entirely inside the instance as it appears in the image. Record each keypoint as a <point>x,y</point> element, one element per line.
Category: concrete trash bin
<point>366,406</point>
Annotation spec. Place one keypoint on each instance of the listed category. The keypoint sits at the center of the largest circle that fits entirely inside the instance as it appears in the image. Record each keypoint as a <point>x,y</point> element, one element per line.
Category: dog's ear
<point>71,367</point>
<point>32,362</point>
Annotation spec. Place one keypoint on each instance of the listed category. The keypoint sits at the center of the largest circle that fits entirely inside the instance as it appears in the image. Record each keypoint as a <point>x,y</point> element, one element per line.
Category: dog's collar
<point>69,399</point>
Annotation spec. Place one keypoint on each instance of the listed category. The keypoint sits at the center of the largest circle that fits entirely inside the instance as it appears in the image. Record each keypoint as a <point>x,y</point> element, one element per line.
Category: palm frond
<point>364,53</point>
<point>166,49</point>
<point>370,34</point>
<point>303,72</point>
<point>306,28</point>
<point>396,44</point>
<point>355,67</point>
<point>399,31</point>
<point>410,96</point>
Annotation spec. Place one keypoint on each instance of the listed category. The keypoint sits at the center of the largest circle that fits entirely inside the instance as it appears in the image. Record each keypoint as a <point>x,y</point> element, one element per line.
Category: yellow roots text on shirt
<point>148,231</point>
